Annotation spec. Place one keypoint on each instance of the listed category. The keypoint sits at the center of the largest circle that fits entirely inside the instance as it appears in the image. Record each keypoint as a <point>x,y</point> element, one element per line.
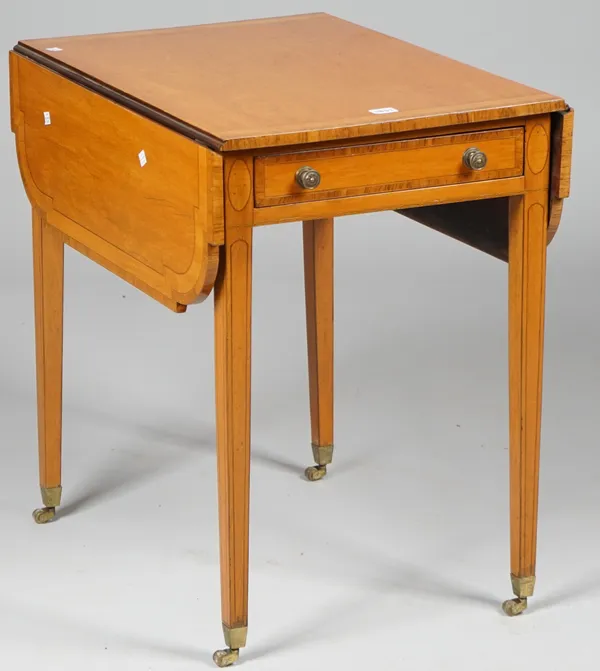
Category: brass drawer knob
<point>308,178</point>
<point>474,159</point>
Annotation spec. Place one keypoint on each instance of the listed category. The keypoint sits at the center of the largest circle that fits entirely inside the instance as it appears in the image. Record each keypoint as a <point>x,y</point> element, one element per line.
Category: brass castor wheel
<point>315,473</point>
<point>514,607</point>
<point>44,515</point>
<point>227,657</point>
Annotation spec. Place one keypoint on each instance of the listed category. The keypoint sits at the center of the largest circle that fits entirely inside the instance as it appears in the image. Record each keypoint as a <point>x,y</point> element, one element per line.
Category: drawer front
<point>388,166</point>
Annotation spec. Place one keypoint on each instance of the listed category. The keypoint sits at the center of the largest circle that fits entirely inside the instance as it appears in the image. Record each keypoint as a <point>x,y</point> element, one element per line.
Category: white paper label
<point>53,49</point>
<point>142,157</point>
<point>383,110</point>
<point>47,119</point>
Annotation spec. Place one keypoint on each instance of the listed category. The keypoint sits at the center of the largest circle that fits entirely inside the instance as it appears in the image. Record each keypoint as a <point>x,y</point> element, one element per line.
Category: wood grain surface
<point>528,229</point>
<point>289,80</point>
<point>562,153</point>
<point>233,324</point>
<point>389,200</point>
<point>138,198</point>
<point>527,259</point>
<point>48,285</point>
<point>394,166</point>
<point>319,291</point>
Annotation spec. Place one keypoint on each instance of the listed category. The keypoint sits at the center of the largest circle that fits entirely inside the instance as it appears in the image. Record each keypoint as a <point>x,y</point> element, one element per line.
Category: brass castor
<point>44,515</point>
<point>514,607</point>
<point>227,657</point>
<point>315,473</point>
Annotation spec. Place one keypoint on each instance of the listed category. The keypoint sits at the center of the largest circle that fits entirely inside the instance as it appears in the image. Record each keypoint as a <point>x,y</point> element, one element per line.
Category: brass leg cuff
<point>51,496</point>
<point>235,638</point>
<point>322,454</point>
<point>523,587</point>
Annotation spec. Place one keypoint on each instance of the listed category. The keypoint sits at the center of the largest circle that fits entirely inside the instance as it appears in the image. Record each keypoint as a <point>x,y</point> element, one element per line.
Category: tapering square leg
<point>233,321</point>
<point>527,273</point>
<point>318,284</point>
<point>48,265</point>
<point>527,242</point>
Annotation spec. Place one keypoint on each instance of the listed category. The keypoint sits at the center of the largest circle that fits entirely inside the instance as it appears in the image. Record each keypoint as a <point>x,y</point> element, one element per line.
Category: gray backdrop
<point>402,552</point>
